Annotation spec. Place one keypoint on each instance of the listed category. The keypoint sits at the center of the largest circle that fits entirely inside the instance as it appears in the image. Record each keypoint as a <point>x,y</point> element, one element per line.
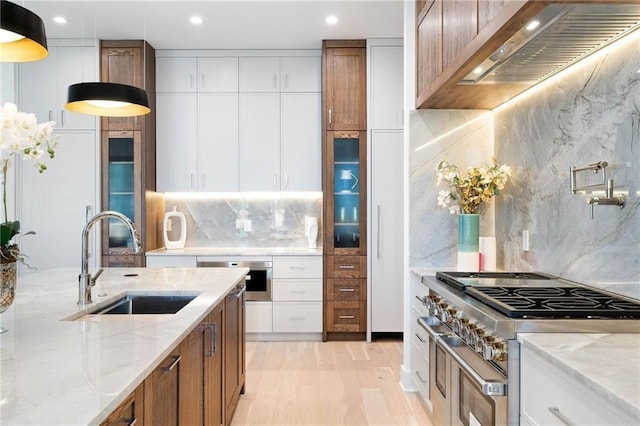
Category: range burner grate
<point>554,302</point>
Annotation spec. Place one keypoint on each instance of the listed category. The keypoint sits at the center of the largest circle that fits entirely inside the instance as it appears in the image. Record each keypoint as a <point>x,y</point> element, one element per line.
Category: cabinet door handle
<point>347,266</point>
<point>62,118</point>
<point>191,181</point>
<point>50,115</point>
<point>556,412</point>
<point>286,180</point>
<point>275,81</point>
<point>173,364</point>
<point>378,234</point>
<point>330,118</point>
<point>347,290</point>
<point>202,79</point>
<point>213,329</point>
<point>420,338</point>
<point>203,181</point>
<point>420,377</point>
<point>346,317</point>
<point>131,422</point>
<point>286,80</point>
<point>275,181</point>
<point>190,81</point>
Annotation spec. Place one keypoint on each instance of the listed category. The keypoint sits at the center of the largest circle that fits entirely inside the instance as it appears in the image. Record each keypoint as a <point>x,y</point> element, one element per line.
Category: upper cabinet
<point>453,37</point>
<point>247,123</point>
<point>191,75</point>
<point>345,85</point>
<point>385,88</point>
<point>43,85</point>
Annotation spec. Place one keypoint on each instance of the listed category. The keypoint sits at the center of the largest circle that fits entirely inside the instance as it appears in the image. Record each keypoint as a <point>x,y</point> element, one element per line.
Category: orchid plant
<point>468,193</point>
<point>20,133</point>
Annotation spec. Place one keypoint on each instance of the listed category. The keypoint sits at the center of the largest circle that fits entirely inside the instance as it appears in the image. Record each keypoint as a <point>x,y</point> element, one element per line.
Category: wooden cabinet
<point>191,409</point>
<point>162,392</point>
<point>213,368</point>
<point>129,412</point>
<point>453,37</point>
<point>344,79</point>
<point>344,188</point>
<point>128,156</point>
<point>43,85</point>
<point>234,350</point>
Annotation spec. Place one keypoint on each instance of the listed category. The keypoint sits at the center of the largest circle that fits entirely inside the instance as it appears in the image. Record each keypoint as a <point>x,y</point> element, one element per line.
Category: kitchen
<point>610,259</point>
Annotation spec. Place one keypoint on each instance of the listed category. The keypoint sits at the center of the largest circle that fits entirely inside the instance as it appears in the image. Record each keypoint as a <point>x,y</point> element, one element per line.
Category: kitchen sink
<point>136,304</point>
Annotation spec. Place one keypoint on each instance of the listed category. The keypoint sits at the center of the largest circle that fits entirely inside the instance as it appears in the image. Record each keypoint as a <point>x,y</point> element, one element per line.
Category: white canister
<point>167,226</point>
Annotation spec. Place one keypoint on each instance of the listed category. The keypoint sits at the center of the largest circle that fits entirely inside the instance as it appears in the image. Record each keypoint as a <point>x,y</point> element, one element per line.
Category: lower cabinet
<point>234,350</point>
<point>200,382</point>
<point>162,392</point>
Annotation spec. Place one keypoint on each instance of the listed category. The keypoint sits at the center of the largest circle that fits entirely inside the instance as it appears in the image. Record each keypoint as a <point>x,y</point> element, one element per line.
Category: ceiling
<point>227,24</point>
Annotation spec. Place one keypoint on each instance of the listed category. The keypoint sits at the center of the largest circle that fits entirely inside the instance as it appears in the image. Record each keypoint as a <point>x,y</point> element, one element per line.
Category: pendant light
<point>107,99</point>
<point>22,34</point>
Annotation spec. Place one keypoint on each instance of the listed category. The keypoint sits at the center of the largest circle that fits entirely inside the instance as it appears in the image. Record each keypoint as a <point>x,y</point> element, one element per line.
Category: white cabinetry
<point>419,352</point>
<point>43,85</point>
<point>297,294</point>
<point>248,123</point>
<point>386,182</point>
<point>550,396</point>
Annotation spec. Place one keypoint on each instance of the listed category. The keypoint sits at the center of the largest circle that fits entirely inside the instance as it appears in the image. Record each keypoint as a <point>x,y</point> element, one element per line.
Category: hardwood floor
<point>331,383</point>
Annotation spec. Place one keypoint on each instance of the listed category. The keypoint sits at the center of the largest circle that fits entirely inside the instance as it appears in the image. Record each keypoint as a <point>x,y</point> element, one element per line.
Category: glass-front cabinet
<point>347,186</point>
<point>122,188</point>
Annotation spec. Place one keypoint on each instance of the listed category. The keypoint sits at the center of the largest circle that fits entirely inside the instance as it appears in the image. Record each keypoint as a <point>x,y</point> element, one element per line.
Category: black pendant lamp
<point>107,99</point>
<point>22,34</point>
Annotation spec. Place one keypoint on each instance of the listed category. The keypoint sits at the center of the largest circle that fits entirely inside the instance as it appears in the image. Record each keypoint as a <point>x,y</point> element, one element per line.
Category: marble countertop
<point>237,251</point>
<point>58,371</point>
<point>608,364</point>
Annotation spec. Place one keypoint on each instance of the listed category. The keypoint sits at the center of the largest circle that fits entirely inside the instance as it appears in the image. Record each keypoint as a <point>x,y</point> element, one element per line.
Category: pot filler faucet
<point>86,281</point>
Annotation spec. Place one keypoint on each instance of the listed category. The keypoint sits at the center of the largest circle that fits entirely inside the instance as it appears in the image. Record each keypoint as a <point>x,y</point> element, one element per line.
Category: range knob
<point>476,338</point>
<point>447,313</point>
<point>467,331</point>
<point>432,303</point>
<point>458,324</point>
<point>494,350</point>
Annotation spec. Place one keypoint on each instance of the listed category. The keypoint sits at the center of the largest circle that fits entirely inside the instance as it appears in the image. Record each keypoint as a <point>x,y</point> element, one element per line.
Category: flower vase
<point>469,242</point>
<point>7,287</point>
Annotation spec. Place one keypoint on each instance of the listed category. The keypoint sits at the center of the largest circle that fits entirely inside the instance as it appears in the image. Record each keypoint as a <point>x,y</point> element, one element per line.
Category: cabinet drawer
<point>297,290</point>
<point>545,388</point>
<point>297,317</point>
<point>419,336</point>
<point>297,267</point>
<point>346,316</point>
<point>344,289</point>
<point>420,371</point>
<point>346,266</point>
<point>259,317</point>
<point>420,292</point>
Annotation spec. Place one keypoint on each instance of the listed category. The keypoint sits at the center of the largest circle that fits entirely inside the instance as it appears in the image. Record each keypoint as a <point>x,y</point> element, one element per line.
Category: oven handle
<point>488,387</point>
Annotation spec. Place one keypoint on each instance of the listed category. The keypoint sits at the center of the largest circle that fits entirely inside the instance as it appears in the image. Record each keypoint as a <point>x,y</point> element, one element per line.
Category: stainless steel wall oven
<point>258,280</point>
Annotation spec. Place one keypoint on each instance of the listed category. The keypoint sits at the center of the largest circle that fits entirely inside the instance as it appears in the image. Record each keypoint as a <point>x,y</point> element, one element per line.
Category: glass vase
<point>7,287</point>
<point>468,242</point>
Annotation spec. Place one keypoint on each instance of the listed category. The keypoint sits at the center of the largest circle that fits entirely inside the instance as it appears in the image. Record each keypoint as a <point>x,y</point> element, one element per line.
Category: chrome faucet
<point>86,281</point>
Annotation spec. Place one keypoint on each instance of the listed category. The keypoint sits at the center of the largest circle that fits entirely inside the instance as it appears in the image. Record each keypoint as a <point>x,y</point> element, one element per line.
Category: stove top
<point>554,302</point>
<point>526,295</point>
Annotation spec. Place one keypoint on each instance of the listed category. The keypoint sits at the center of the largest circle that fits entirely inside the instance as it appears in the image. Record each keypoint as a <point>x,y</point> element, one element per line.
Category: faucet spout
<point>85,280</point>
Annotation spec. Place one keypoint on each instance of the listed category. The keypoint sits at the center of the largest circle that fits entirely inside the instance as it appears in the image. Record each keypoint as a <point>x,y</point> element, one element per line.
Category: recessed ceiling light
<point>478,70</point>
<point>59,20</point>
<point>196,20</point>
<point>331,20</point>
<point>532,25</point>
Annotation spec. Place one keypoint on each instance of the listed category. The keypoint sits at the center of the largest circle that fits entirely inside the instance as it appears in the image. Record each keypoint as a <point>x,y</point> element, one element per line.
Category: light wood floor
<point>331,383</point>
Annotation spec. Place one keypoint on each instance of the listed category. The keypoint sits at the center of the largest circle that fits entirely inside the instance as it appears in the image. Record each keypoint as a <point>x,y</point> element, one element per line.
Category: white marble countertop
<point>60,372</point>
<point>608,364</point>
<point>237,251</point>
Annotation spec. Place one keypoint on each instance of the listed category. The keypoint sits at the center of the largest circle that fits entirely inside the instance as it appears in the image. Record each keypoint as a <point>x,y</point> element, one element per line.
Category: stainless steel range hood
<point>563,35</point>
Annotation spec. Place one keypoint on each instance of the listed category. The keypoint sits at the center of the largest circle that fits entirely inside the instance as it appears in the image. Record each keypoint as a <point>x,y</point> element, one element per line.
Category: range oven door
<point>258,280</point>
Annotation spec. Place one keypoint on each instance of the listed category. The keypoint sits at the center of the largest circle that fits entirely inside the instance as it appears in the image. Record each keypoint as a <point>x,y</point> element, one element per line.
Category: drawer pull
<point>347,266</point>
<point>297,318</point>
<point>420,377</point>
<point>347,317</point>
<point>420,338</point>
<point>556,412</point>
<point>173,364</point>
<point>300,268</point>
<point>132,422</point>
<point>347,290</point>
<point>298,291</point>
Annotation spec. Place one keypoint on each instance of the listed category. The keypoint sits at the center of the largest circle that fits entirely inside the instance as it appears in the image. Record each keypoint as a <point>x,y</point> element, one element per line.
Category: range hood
<point>557,37</point>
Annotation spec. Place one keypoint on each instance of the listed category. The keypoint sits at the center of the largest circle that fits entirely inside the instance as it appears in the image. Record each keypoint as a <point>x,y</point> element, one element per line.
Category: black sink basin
<point>136,304</point>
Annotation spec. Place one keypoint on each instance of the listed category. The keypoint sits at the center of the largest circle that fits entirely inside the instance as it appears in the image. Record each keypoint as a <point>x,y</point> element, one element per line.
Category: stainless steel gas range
<point>474,318</point>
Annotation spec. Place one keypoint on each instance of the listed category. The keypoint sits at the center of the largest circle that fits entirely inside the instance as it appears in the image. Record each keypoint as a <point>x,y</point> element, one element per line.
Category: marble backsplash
<point>237,220</point>
<point>587,114</point>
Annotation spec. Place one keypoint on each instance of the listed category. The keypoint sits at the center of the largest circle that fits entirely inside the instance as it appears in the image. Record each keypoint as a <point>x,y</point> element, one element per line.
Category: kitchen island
<point>59,366</point>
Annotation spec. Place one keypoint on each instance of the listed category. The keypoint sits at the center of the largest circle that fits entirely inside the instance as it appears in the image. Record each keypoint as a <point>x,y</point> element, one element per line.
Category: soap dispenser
<point>167,226</point>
